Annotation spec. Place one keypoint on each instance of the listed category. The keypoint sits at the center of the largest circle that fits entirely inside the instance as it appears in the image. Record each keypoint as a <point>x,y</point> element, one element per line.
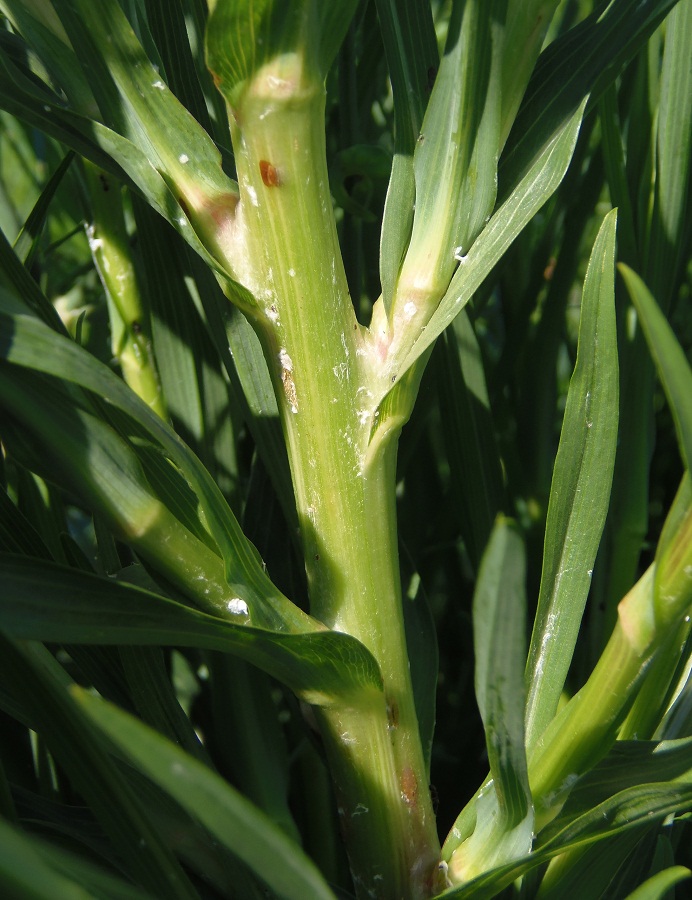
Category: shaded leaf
<point>232,820</point>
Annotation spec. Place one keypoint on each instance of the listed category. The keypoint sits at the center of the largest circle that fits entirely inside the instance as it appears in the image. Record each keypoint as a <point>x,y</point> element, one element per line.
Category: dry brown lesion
<point>287,380</point>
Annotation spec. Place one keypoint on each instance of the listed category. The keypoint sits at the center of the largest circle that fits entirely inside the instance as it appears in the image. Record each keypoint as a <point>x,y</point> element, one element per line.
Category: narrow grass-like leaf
<point>166,19</point>
<point>233,821</point>
<point>16,278</point>
<point>506,223</point>
<point>627,765</point>
<point>174,191</point>
<point>658,887</point>
<point>579,64</point>
<point>31,868</point>
<point>455,159</point>
<point>672,365</point>
<point>27,241</point>
<point>23,873</point>
<point>250,741</point>
<point>17,534</point>
<point>41,601</point>
<point>411,50</point>
<point>641,805</point>
<point>26,341</point>
<point>33,677</point>
<point>499,614</point>
<point>475,465</point>
<point>580,489</point>
<point>197,395</point>
<point>670,234</point>
<point>504,808</point>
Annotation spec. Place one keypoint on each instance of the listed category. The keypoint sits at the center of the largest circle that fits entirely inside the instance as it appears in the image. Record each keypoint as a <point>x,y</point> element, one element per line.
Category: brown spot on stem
<point>270,176</point>
<point>409,787</point>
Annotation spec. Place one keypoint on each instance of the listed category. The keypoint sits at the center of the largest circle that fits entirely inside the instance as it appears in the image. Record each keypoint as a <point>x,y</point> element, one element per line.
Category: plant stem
<point>129,318</point>
<point>320,363</point>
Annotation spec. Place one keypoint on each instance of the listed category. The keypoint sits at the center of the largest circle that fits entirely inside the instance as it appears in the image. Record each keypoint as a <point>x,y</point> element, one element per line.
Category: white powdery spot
<point>285,360</point>
<point>409,310</point>
<point>237,607</point>
<point>94,242</point>
<point>341,371</point>
<point>159,85</point>
<point>292,273</point>
<point>183,158</point>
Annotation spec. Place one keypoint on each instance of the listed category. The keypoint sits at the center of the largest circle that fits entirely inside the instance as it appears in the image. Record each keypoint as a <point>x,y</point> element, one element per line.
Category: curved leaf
<point>233,821</point>
<point>46,602</point>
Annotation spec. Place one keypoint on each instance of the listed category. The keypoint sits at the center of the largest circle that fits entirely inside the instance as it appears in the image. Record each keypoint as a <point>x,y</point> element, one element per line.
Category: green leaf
<point>43,601</point>
<point>411,51</point>
<point>147,132</point>
<point>671,363</point>
<point>23,873</point>
<point>504,809</point>
<point>27,342</point>
<point>580,489</point>
<point>31,868</point>
<point>455,159</point>
<point>35,680</point>
<point>499,621</point>
<point>658,886</point>
<point>645,804</point>
<point>27,241</point>
<point>670,227</point>
<point>579,64</point>
<point>469,434</point>
<point>507,222</point>
<point>234,822</point>
<point>627,765</point>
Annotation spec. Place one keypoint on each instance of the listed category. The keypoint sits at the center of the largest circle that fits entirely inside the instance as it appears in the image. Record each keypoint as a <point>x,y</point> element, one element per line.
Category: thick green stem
<point>320,360</point>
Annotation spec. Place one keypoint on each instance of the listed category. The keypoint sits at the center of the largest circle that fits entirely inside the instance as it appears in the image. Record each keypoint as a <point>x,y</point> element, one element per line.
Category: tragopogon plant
<point>272,225</point>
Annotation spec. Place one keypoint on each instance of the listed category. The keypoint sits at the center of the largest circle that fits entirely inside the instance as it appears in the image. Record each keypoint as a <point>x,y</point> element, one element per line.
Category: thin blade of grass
<point>33,870</point>
<point>506,223</point>
<point>42,601</point>
<point>580,489</point>
<point>504,809</point>
<point>659,886</point>
<point>474,460</point>
<point>670,232</point>
<point>27,342</point>
<point>31,674</point>
<point>411,51</point>
<point>233,821</point>
<point>645,804</point>
<point>671,363</point>
<point>28,238</point>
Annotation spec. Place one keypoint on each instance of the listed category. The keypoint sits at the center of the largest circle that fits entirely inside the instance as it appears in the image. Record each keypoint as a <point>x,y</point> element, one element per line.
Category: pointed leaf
<point>43,601</point>
<point>233,821</point>
<point>671,363</point>
<point>580,489</point>
<point>504,808</point>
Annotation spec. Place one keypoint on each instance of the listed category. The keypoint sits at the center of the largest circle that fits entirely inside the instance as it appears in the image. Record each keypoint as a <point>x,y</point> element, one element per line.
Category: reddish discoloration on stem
<point>409,787</point>
<point>269,174</point>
